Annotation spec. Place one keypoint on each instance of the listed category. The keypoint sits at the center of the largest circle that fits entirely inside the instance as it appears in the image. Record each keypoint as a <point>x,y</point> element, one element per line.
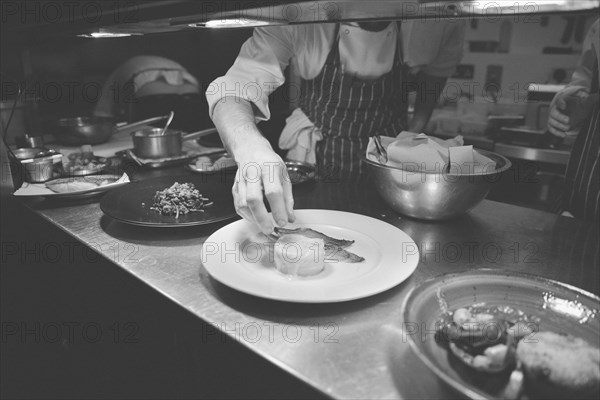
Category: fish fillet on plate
<point>325,256</point>
<point>335,249</point>
<point>305,252</point>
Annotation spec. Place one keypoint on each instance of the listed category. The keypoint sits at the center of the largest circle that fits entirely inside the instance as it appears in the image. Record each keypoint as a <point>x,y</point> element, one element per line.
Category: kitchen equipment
<point>131,204</point>
<point>390,257</point>
<point>557,50</point>
<point>300,172</point>
<point>537,155</point>
<point>580,28</point>
<point>155,163</point>
<point>569,28</point>
<point>151,143</point>
<point>483,46</point>
<point>168,123</point>
<point>29,153</point>
<point>505,36</point>
<point>19,122</point>
<point>38,170</point>
<point>29,141</point>
<point>78,131</point>
<point>560,307</point>
<point>496,122</point>
<point>433,195</point>
<point>381,152</point>
<point>529,137</point>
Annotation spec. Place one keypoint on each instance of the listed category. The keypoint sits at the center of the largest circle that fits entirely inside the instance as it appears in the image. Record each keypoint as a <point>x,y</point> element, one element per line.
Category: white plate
<point>43,189</point>
<point>391,256</point>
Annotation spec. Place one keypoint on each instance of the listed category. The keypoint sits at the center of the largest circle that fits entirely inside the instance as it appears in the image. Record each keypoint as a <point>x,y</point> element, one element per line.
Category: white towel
<point>426,153</point>
<point>300,137</point>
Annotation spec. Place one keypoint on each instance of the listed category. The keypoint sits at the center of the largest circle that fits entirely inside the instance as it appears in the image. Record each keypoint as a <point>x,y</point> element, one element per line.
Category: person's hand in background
<point>566,114</point>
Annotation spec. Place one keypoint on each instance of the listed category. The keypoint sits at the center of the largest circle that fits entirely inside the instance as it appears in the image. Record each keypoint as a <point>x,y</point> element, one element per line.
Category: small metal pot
<point>151,143</point>
<point>78,131</point>
<point>26,153</point>
<point>29,141</point>
<point>38,170</point>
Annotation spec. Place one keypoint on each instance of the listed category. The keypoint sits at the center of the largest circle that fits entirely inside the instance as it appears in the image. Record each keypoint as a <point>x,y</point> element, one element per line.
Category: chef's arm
<point>260,169</point>
<point>234,119</point>
<point>429,88</point>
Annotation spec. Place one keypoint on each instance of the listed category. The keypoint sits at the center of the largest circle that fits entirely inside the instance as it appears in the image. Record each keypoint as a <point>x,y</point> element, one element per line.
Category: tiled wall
<point>525,61</point>
<point>519,50</point>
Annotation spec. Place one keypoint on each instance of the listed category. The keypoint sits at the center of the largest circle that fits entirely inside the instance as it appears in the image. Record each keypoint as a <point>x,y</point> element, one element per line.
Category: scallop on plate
<point>326,256</point>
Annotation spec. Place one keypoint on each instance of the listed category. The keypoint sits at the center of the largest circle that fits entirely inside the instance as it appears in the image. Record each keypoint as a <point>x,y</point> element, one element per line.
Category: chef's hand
<point>261,170</point>
<point>559,123</point>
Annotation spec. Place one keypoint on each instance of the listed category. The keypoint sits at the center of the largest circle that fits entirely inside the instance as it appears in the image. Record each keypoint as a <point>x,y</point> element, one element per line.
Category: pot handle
<point>199,134</point>
<point>129,128</point>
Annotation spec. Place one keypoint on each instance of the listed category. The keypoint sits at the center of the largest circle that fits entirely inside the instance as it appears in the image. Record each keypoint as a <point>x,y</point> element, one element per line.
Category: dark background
<point>161,350</point>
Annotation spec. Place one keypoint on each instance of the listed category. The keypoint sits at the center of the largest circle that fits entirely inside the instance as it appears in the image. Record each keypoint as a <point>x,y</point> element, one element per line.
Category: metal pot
<point>38,170</point>
<point>151,143</point>
<point>78,131</point>
<point>26,153</point>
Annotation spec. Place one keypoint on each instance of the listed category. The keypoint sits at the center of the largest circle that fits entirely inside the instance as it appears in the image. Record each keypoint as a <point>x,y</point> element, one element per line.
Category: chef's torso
<point>365,54</point>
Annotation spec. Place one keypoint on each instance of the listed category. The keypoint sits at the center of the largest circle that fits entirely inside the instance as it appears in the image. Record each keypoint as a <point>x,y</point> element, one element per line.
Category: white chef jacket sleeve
<point>450,45</point>
<point>257,70</point>
<point>434,47</point>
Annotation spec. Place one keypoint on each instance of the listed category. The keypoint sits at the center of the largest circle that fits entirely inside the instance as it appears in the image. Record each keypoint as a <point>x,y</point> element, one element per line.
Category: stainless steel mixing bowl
<point>434,195</point>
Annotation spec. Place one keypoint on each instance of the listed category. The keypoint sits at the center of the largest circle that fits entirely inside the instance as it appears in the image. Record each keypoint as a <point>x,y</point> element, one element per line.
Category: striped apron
<point>349,110</point>
<point>582,177</point>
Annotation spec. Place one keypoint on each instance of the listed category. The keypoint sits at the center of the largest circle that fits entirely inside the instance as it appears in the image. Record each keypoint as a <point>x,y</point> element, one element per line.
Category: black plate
<point>125,204</point>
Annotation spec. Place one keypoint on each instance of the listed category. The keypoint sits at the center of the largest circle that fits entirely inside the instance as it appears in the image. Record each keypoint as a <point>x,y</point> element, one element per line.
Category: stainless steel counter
<point>353,349</point>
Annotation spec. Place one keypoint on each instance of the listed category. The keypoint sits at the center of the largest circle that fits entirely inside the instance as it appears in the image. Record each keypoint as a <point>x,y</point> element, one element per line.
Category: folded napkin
<point>40,189</point>
<point>422,153</point>
<point>300,137</point>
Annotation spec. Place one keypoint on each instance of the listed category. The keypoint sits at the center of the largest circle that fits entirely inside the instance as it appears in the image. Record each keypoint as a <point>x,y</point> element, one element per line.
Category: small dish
<point>38,170</point>
<point>210,163</point>
<point>300,172</point>
<point>73,187</point>
<point>95,166</point>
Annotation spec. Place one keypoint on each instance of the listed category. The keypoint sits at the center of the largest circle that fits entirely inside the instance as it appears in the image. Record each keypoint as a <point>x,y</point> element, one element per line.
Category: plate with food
<point>326,256</point>
<point>75,187</point>
<point>506,335</point>
<point>83,163</point>
<point>172,201</point>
